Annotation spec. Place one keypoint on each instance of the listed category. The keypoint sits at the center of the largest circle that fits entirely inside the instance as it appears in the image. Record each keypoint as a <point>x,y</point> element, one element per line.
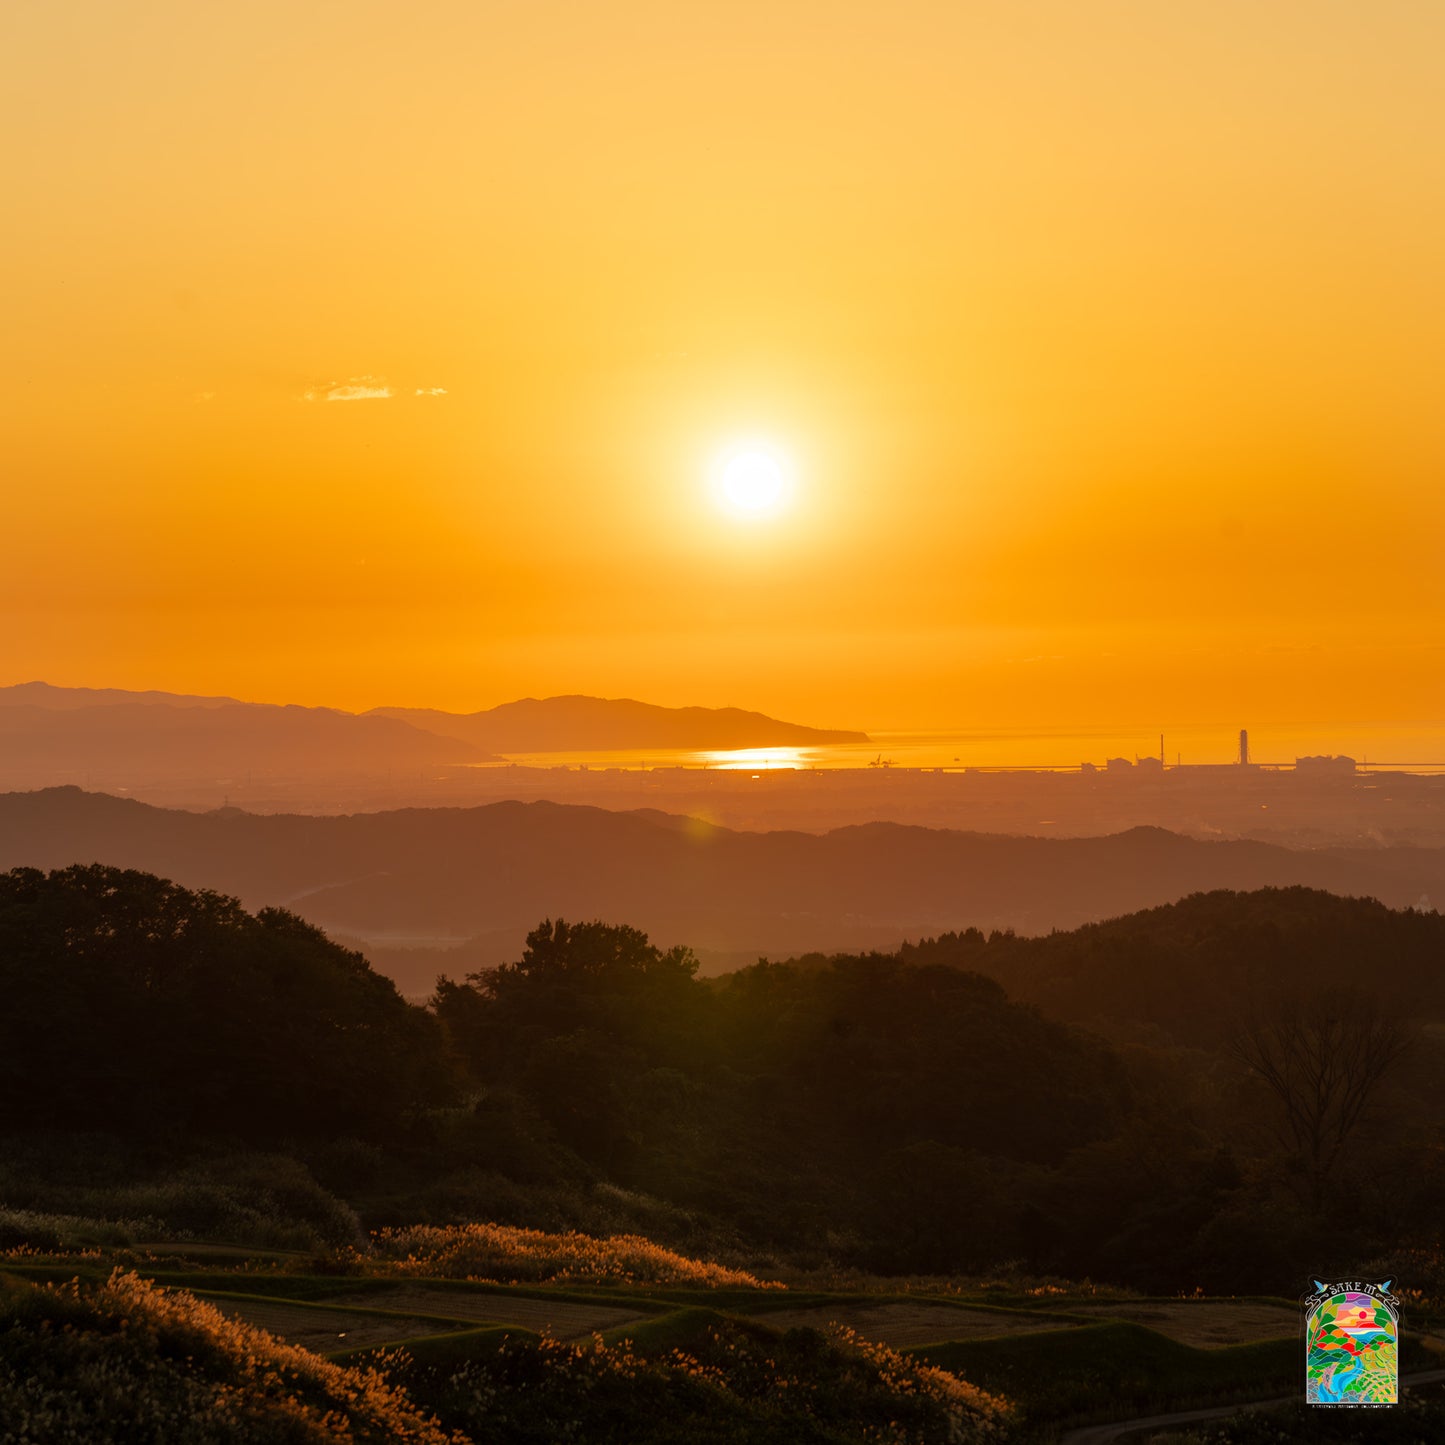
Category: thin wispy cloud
<point>358,388</point>
<point>366,388</point>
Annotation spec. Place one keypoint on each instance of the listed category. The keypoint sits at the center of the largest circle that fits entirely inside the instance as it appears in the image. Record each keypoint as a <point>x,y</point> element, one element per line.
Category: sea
<point>1413,747</point>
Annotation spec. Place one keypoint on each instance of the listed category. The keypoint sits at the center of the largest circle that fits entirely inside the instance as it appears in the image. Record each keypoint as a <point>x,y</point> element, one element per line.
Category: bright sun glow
<point>752,479</point>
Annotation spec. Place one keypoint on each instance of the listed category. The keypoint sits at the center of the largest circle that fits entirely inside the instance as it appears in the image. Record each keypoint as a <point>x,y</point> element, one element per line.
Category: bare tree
<point>1324,1059</point>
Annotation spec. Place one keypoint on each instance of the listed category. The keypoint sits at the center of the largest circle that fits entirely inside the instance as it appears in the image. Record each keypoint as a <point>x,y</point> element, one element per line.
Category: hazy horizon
<point>1416,740</point>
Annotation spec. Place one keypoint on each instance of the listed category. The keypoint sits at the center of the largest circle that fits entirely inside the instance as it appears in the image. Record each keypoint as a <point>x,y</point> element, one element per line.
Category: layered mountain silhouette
<point>129,741</point>
<point>438,876</point>
<point>588,724</point>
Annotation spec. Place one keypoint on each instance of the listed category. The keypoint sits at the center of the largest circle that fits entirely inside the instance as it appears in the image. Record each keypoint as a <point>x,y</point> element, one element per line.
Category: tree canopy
<point>131,1003</point>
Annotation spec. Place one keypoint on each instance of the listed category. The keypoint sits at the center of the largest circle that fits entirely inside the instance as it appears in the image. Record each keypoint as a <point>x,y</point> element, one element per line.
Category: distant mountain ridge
<point>443,875</point>
<point>577,723</point>
<point>44,694</point>
<point>129,745</point>
<point>122,740</point>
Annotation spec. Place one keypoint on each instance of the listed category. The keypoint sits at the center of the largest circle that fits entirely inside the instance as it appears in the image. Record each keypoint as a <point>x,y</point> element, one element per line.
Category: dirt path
<point>1102,1434</point>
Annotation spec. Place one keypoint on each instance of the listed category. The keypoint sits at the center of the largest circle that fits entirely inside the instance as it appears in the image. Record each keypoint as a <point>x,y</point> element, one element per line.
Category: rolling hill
<point>434,877</point>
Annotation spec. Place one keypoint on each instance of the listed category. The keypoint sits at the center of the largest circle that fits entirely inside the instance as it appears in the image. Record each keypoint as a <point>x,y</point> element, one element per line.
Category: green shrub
<point>27,1229</point>
<point>268,1201</point>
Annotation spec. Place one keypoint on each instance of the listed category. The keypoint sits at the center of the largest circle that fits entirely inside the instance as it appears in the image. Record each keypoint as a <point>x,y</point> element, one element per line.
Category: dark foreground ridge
<point>591,1138</point>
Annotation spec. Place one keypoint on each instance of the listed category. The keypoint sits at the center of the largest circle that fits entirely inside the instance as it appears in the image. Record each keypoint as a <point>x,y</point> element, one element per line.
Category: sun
<point>752,479</point>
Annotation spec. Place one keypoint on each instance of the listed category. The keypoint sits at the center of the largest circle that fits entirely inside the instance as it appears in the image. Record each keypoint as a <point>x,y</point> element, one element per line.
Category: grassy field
<point>1060,1360</point>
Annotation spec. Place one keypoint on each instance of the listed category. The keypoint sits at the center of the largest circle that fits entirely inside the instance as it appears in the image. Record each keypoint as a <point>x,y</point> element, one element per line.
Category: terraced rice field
<point>903,1325</point>
<point>1204,1323</point>
<point>563,1319</point>
<point>325,1330</point>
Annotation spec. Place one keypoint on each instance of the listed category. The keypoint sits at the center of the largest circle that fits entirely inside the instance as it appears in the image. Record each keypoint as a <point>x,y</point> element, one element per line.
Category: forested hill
<point>131,1004</point>
<point>1195,968</point>
<point>450,874</point>
<point>888,1112</point>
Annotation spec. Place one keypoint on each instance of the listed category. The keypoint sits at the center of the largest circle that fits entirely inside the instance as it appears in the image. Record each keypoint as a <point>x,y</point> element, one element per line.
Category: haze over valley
<point>404,883</point>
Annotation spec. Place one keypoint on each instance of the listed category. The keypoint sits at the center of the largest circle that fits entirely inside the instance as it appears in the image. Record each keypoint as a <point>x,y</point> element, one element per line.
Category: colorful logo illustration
<point>1352,1337</point>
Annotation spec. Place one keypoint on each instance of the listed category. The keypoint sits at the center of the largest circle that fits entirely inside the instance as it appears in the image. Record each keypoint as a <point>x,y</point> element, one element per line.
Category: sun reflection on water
<point>739,759</point>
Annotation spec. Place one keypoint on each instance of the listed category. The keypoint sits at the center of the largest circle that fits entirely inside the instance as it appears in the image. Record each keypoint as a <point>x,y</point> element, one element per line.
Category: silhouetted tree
<point>1323,1058</point>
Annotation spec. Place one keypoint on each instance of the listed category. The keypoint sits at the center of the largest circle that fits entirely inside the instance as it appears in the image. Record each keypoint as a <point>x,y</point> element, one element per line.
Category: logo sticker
<point>1352,1338</point>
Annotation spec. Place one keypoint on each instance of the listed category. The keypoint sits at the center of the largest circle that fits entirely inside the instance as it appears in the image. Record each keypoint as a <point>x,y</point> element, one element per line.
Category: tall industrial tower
<point>1244,747</point>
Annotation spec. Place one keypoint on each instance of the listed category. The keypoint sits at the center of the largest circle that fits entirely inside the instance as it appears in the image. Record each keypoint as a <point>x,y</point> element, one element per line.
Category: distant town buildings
<point>1326,766</point>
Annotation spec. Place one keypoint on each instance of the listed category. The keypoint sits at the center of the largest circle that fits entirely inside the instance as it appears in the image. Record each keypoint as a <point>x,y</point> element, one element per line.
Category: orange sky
<point>1107,340</point>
